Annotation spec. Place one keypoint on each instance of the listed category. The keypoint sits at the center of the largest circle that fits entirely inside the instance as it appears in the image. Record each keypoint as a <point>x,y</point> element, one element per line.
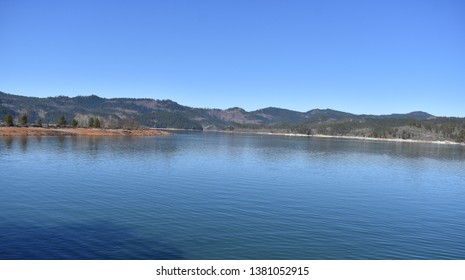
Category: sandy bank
<point>38,131</point>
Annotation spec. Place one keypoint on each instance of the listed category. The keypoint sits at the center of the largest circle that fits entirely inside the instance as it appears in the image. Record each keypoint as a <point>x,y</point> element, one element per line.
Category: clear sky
<point>358,56</point>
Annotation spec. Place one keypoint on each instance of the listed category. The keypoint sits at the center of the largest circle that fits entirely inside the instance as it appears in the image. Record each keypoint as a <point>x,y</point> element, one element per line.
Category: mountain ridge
<point>155,113</point>
<point>119,107</point>
<point>95,98</point>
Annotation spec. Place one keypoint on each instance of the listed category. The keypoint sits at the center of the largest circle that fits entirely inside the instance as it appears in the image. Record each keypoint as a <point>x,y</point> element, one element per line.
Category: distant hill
<point>131,112</point>
<point>114,112</point>
<point>418,115</point>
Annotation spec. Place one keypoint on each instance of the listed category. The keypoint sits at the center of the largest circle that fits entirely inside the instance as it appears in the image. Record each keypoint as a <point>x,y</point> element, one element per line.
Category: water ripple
<point>220,196</point>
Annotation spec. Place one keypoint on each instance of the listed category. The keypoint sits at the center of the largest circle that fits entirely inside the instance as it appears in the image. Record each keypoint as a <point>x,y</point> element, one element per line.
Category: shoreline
<point>360,138</point>
<point>42,131</point>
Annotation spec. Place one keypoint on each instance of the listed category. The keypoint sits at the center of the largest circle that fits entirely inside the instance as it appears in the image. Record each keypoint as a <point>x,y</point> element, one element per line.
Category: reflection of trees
<point>119,146</point>
<point>93,144</point>
<point>23,143</point>
<point>8,142</point>
<point>263,146</point>
<point>61,142</point>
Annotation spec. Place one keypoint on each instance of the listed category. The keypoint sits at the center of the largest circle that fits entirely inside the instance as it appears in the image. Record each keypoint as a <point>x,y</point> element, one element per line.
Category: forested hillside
<point>94,111</point>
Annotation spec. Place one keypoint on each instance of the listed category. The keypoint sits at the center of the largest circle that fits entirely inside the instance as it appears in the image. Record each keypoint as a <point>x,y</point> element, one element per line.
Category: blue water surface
<point>229,196</point>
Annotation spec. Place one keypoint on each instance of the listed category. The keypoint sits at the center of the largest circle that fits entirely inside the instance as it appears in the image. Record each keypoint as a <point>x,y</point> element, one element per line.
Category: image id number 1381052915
<point>283,270</point>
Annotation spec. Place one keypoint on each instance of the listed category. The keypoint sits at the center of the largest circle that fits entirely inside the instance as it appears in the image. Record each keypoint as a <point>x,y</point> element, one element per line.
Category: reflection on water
<point>264,146</point>
<point>23,143</point>
<point>229,196</point>
<point>8,142</point>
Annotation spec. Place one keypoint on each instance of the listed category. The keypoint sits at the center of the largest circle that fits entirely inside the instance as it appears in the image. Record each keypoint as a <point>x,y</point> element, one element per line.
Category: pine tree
<point>74,123</point>
<point>62,121</point>
<point>97,123</point>
<point>23,120</point>
<point>8,120</point>
<point>91,122</point>
<point>39,122</point>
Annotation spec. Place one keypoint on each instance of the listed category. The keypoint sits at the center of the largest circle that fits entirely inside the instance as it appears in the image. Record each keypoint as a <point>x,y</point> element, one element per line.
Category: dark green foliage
<point>172,106</point>
<point>164,119</point>
<point>278,115</point>
<point>8,120</point>
<point>62,121</point>
<point>91,122</point>
<point>461,136</point>
<point>452,129</point>
<point>23,120</point>
<point>74,123</point>
<point>38,122</point>
<point>97,123</point>
<point>406,135</point>
<point>92,102</point>
<point>228,128</point>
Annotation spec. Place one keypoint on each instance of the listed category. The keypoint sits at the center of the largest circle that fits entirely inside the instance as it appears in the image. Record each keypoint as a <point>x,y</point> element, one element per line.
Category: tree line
<point>8,120</point>
<point>452,129</point>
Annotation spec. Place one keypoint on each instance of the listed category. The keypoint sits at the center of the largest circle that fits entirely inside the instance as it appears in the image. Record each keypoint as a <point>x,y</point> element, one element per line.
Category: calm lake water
<point>227,196</point>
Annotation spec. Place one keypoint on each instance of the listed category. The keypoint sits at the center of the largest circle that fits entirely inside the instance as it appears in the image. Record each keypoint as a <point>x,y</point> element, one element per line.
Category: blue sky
<point>358,56</point>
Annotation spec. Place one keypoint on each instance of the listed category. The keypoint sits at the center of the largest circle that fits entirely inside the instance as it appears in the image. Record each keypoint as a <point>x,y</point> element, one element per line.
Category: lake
<point>229,196</point>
